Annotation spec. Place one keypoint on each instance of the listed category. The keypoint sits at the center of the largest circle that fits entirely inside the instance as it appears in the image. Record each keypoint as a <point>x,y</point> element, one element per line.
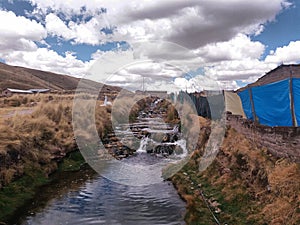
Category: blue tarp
<point>246,103</point>
<point>296,93</point>
<point>271,103</point>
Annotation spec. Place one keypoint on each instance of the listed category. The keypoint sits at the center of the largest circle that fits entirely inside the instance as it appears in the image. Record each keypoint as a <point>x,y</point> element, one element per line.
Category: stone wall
<point>282,142</point>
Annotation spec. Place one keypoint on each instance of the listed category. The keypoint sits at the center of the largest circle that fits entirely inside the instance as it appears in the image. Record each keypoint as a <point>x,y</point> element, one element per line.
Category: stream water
<point>85,197</point>
<point>101,201</point>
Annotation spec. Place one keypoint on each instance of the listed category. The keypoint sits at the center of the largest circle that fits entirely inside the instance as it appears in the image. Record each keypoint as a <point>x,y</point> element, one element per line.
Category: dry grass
<point>41,136</point>
<point>271,187</point>
<point>251,186</point>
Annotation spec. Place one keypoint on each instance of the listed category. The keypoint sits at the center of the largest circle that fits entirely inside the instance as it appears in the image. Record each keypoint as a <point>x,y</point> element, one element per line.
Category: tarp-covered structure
<point>233,103</point>
<point>274,100</point>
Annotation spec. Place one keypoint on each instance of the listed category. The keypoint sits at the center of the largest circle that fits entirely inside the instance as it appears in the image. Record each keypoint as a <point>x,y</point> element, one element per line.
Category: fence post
<point>292,98</point>
<point>252,105</point>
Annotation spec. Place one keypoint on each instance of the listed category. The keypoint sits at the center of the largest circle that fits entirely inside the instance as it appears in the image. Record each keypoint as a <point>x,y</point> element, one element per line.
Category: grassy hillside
<point>26,78</point>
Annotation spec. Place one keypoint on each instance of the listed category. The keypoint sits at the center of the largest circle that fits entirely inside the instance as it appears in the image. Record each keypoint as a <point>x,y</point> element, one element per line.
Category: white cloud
<point>198,83</point>
<point>240,47</point>
<point>212,34</point>
<point>108,63</point>
<point>48,60</point>
<point>69,7</point>
<point>127,69</point>
<point>19,33</point>
<point>287,54</point>
<point>228,85</point>
<point>56,26</point>
<point>82,32</point>
<point>88,32</point>
<point>243,69</point>
<point>192,23</point>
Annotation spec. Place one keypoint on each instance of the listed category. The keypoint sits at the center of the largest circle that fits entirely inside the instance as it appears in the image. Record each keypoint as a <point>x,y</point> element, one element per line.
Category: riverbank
<point>33,145</point>
<point>243,185</point>
<point>161,205</point>
<point>19,193</point>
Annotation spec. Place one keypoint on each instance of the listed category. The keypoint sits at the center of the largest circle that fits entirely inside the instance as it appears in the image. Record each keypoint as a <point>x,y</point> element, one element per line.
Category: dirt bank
<point>244,185</point>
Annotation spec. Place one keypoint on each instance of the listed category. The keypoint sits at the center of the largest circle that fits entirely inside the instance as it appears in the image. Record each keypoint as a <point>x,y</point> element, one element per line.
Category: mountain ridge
<point>27,78</point>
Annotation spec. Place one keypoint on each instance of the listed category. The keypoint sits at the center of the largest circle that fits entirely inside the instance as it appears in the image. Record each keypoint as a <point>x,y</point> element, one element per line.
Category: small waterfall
<point>143,145</point>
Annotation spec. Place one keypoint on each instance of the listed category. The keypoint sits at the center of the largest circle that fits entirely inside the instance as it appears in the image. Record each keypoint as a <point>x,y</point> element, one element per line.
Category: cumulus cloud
<point>19,33</point>
<point>69,7</point>
<point>48,60</point>
<point>210,34</point>
<point>287,54</point>
<point>82,32</point>
<point>170,37</point>
<point>193,23</point>
<point>127,69</point>
<point>240,47</point>
<point>56,26</point>
<point>243,69</point>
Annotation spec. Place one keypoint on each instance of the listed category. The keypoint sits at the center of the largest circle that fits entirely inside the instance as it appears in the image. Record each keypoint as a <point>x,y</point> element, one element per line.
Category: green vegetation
<point>17,193</point>
<point>231,209</point>
<point>73,162</point>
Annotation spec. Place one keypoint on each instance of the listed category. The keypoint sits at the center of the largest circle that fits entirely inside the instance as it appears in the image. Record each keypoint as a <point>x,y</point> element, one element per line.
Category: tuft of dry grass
<point>39,137</point>
<point>35,137</point>
<point>251,186</point>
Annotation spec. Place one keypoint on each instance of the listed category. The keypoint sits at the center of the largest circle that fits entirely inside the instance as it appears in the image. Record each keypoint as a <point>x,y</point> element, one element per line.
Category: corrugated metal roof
<point>39,90</point>
<point>30,91</point>
<point>19,91</point>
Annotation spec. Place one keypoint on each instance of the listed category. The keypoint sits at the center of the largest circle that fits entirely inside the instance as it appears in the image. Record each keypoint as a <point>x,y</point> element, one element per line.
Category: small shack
<point>6,93</point>
<point>10,91</point>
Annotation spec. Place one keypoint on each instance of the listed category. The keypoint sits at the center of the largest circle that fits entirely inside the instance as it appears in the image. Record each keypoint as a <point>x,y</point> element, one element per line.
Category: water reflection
<point>101,201</point>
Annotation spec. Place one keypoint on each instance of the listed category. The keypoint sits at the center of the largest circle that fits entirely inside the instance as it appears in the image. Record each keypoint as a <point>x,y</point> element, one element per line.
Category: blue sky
<point>228,43</point>
<point>284,29</point>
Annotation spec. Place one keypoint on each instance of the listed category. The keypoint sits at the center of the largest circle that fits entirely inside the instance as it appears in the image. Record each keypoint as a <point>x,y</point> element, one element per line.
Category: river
<point>85,197</point>
<point>92,199</point>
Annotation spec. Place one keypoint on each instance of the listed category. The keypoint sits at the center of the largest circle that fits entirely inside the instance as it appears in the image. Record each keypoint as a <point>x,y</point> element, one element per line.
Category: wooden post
<point>292,99</point>
<point>252,105</point>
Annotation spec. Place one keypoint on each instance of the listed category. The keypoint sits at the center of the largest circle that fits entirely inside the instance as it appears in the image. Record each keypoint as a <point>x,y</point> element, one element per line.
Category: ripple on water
<point>101,201</point>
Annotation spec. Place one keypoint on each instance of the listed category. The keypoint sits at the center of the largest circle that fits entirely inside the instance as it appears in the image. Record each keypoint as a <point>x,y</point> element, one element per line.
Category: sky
<point>190,45</point>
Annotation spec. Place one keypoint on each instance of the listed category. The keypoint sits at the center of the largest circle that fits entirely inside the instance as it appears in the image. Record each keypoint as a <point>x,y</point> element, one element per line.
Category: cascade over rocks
<point>151,134</point>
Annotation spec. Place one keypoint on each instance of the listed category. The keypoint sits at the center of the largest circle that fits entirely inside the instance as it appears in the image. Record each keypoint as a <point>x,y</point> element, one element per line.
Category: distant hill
<point>26,78</point>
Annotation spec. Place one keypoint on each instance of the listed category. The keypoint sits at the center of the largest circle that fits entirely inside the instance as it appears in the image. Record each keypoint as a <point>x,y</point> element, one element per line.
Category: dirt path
<point>7,113</point>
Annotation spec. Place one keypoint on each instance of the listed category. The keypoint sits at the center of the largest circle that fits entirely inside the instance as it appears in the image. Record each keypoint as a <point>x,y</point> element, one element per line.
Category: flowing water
<point>85,197</point>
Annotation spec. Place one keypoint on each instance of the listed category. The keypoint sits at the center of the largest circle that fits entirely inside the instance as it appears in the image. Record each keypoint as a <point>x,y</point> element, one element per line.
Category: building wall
<point>7,93</point>
<point>281,142</point>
